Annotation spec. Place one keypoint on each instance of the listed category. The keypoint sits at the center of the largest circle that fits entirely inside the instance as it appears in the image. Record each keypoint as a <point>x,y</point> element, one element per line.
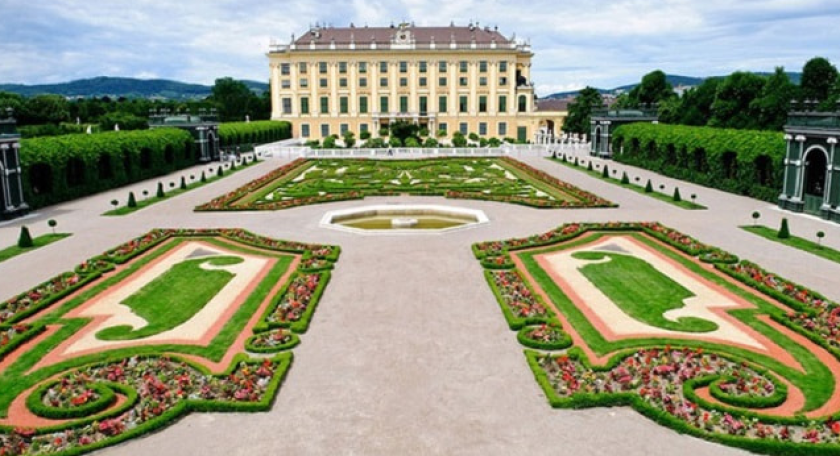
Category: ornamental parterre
<point>304,182</point>
<point>75,403</point>
<point>770,398</point>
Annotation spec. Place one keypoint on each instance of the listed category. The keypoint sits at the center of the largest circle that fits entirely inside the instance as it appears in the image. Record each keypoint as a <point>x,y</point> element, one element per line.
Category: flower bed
<point>272,341</point>
<point>519,304</point>
<point>162,389</point>
<point>297,301</point>
<point>813,312</point>
<point>547,336</point>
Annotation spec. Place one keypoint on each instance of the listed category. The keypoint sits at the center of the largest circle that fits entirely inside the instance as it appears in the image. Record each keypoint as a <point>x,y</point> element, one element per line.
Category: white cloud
<point>577,42</point>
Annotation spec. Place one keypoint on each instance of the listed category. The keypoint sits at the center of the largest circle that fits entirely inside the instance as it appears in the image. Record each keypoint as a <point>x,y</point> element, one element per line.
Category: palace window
<point>322,67</point>
<point>502,128</point>
<point>482,103</point>
<point>342,82</point>
<point>403,67</point>
<point>443,127</point>
<point>343,128</point>
<point>424,82</point>
<point>286,84</point>
<point>442,104</point>
<point>304,105</point>
<point>287,105</point>
<point>342,67</point>
<point>463,65</point>
<point>325,130</point>
<point>325,105</point>
<point>285,69</point>
<point>463,128</point>
<point>323,82</point>
<point>503,67</point>
<point>304,82</point>
<point>304,130</point>
<point>482,81</point>
<point>363,105</point>
<point>362,82</point>
<point>302,67</point>
<point>362,67</point>
<point>343,105</point>
<point>383,82</point>
<point>523,103</point>
<point>383,67</point>
<point>463,104</point>
<point>424,105</point>
<point>482,128</point>
<point>422,66</point>
<point>403,82</point>
<point>442,66</point>
<point>442,82</point>
<point>403,104</point>
<point>383,104</point>
<point>482,66</point>
<point>502,103</point>
<point>462,81</point>
<point>503,81</point>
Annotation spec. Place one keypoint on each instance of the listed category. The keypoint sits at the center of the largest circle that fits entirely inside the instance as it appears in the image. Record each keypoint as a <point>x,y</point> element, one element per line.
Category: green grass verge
<point>143,203</point>
<point>173,298</point>
<point>796,242</point>
<point>38,242</point>
<point>641,291</point>
<point>636,188</point>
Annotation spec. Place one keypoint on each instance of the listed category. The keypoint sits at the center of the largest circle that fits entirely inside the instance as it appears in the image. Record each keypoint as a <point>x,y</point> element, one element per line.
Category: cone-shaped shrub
<point>576,161</point>
<point>132,201</point>
<point>605,173</point>
<point>220,172</point>
<point>589,166</point>
<point>203,177</point>
<point>624,179</point>
<point>677,197</point>
<point>160,193</point>
<point>25,239</point>
<point>183,183</point>
<point>648,187</point>
<point>784,231</point>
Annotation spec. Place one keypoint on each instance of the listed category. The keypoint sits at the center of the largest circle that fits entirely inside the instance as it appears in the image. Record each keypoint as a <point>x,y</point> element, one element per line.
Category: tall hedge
<point>61,168</point>
<point>739,161</point>
<point>257,132</point>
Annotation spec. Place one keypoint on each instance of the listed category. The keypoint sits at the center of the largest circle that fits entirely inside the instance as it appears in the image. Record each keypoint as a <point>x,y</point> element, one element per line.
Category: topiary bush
<point>160,192</point>
<point>605,173</point>
<point>183,183</point>
<point>784,231</point>
<point>132,201</point>
<point>625,180</point>
<point>648,187</point>
<point>677,197</point>
<point>25,239</point>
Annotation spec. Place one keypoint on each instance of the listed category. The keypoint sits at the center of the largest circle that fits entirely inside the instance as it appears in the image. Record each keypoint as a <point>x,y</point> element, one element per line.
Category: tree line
<point>742,100</point>
<point>55,114</point>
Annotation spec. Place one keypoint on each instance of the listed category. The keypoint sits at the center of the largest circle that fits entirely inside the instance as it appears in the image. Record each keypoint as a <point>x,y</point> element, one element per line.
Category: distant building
<point>204,128</point>
<point>12,202</point>
<point>469,79</point>
<point>812,166</point>
<point>605,121</point>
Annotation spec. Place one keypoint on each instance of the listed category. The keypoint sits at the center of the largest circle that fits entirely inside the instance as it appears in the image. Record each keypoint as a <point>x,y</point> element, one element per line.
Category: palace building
<point>468,79</point>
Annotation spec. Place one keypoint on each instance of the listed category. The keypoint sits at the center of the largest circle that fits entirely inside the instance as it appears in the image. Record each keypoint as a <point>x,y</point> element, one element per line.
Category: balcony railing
<point>275,47</point>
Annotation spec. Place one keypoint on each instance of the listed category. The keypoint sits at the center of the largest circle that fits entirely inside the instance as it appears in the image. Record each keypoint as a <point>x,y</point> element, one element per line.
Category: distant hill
<point>124,87</point>
<point>675,80</point>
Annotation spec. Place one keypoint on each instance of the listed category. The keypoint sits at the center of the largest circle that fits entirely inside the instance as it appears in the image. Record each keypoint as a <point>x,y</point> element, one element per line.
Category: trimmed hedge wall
<point>746,162</point>
<point>258,132</point>
<point>62,168</point>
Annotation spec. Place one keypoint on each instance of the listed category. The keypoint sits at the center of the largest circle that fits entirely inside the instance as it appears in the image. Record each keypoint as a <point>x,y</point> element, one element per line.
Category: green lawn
<point>796,242</point>
<point>641,291</point>
<point>173,192</point>
<point>683,203</point>
<point>173,298</point>
<point>38,242</point>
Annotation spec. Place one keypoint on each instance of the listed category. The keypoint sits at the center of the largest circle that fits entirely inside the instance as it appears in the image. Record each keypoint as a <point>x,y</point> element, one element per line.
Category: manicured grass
<point>685,204</point>
<point>796,242</point>
<point>816,382</point>
<point>173,192</point>
<point>173,298</point>
<point>39,241</point>
<point>641,291</point>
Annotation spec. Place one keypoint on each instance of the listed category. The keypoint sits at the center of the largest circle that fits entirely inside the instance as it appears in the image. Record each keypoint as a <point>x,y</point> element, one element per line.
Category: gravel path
<point>408,352</point>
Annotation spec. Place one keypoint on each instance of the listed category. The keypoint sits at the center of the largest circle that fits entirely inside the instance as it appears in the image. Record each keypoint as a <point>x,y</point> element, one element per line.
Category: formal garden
<point>302,182</point>
<point>692,337</point>
<point>168,323</point>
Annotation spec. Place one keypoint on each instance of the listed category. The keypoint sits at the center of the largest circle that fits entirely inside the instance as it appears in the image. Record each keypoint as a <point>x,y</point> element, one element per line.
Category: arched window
<point>523,103</point>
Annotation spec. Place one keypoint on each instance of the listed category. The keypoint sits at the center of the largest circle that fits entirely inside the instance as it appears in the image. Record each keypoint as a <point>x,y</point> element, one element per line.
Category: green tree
<point>458,139</point>
<point>45,109</point>
<point>773,103</point>
<point>52,224</point>
<point>349,139</point>
<point>132,201</point>
<point>696,104</point>
<point>733,105</point>
<point>653,89</point>
<point>580,111</point>
<point>234,99</point>
<point>125,120</point>
<point>819,78</point>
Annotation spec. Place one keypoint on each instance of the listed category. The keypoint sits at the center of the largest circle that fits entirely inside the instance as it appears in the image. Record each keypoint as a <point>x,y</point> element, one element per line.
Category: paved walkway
<point>408,352</point>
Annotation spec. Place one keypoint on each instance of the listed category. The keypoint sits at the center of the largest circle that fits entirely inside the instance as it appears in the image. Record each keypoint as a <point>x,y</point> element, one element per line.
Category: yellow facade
<point>328,87</point>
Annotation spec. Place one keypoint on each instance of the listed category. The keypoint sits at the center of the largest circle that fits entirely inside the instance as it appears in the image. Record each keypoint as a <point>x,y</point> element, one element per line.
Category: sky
<point>603,44</point>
